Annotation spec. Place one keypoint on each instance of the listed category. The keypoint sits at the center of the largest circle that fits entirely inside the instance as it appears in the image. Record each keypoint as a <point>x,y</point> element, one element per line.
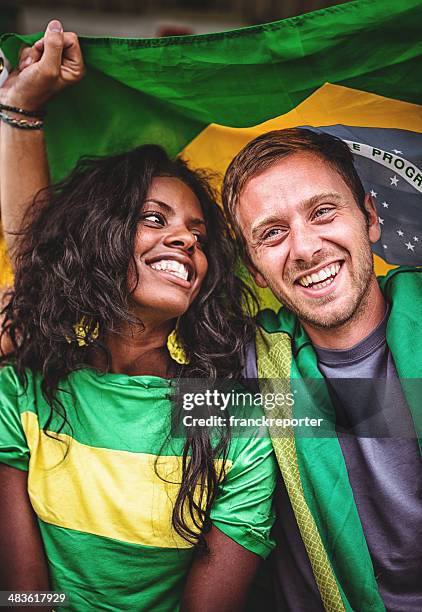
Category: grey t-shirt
<point>381,453</point>
<point>383,462</point>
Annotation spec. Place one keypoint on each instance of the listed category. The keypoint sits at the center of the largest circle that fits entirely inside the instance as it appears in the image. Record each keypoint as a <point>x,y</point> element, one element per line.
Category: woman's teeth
<point>172,266</point>
<point>322,278</point>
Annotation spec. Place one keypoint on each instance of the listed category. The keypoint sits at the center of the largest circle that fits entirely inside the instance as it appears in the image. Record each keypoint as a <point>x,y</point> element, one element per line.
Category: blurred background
<point>149,18</point>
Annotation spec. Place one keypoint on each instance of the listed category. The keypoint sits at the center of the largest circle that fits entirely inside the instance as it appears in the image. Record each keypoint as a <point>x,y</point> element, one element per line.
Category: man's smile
<point>321,276</point>
<point>320,281</point>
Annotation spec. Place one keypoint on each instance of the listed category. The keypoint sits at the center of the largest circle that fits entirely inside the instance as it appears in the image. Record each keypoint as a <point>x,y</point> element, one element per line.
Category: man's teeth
<point>323,277</point>
<point>172,266</point>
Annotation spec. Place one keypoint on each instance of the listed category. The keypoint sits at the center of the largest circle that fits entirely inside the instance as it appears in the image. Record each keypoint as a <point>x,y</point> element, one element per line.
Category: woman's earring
<point>176,350</point>
<point>84,332</point>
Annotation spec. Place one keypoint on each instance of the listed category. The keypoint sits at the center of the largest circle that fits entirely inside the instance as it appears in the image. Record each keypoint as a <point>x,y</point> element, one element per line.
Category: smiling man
<point>350,502</point>
<point>309,239</point>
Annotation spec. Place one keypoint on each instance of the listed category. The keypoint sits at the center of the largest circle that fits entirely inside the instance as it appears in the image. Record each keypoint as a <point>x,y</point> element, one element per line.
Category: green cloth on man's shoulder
<point>313,468</point>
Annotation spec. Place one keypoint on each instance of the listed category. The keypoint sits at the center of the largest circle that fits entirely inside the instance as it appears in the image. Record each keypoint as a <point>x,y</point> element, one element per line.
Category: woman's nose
<point>181,237</point>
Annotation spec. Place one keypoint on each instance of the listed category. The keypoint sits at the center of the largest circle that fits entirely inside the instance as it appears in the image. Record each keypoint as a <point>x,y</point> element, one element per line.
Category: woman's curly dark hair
<point>72,260</point>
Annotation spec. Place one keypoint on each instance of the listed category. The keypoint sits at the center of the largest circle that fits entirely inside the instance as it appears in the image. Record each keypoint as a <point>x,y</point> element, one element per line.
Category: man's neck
<point>367,318</point>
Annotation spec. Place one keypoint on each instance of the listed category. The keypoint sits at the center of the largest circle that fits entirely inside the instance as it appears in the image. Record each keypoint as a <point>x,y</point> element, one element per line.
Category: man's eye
<point>273,233</point>
<point>322,211</point>
<point>153,217</point>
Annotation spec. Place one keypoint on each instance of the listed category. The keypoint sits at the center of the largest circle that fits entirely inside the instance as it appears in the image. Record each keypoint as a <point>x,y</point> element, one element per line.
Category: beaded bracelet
<point>22,124</point>
<point>40,114</point>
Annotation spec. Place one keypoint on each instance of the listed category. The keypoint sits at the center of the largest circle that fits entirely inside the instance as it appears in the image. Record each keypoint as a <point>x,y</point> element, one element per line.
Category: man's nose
<point>305,242</point>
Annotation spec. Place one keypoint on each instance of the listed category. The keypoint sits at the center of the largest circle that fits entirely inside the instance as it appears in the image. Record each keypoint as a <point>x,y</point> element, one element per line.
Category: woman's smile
<point>174,267</point>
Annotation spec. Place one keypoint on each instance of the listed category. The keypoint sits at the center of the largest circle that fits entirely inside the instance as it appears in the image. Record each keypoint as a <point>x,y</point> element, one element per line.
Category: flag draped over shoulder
<point>352,70</point>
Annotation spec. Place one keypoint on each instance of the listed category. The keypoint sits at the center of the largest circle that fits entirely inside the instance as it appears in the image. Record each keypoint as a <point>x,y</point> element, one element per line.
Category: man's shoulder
<point>403,284</point>
<point>273,322</point>
<point>273,342</point>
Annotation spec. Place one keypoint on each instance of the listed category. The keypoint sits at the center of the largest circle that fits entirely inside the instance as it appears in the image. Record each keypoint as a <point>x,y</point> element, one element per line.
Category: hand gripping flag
<point>352,70</point>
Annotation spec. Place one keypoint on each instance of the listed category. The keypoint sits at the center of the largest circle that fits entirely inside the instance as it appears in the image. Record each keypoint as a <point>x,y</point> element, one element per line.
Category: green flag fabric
<point>356,65</point>
<point>167,90</point>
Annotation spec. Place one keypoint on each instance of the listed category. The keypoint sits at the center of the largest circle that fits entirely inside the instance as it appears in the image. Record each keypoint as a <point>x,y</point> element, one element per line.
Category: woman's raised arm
<point>46,68</point>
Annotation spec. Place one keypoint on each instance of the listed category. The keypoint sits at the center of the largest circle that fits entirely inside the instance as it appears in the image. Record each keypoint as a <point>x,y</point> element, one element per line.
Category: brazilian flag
<point>352,70</point>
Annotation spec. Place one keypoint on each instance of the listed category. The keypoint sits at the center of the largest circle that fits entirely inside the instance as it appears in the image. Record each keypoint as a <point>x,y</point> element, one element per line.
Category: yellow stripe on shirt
<point>111,493</point>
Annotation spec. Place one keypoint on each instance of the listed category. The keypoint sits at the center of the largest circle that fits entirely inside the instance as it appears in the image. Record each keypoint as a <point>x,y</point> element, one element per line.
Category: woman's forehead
<point>173,195</point>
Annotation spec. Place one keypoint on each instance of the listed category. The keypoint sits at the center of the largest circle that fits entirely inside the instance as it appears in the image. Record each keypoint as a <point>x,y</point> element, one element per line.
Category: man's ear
<point>257,276</point>
<point>374,229</point>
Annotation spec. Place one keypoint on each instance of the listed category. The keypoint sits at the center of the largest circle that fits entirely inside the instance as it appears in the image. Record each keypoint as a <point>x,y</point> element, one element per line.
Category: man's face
<point>308,240</point>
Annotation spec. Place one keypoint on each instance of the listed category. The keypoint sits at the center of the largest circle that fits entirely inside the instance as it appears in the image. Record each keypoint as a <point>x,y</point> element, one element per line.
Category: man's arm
<point>44,69</point>
<point>220,581</point>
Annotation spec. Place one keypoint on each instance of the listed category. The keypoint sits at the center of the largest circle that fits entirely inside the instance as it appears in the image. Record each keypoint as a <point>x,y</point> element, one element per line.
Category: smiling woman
<point>103,503</point>
<point>131,259</point>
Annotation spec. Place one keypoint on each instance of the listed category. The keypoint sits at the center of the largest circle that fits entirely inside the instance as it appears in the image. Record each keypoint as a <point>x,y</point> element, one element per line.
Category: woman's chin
<point>161,309</point>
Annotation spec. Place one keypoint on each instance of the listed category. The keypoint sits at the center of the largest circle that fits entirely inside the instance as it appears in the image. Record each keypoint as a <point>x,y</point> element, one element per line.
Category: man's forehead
<point>294,178</point>
<point>301,162</point>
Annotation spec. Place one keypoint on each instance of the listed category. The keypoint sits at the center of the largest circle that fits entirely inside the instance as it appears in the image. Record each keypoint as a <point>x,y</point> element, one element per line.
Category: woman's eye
<point>153,217</point>
<point>201,240</point>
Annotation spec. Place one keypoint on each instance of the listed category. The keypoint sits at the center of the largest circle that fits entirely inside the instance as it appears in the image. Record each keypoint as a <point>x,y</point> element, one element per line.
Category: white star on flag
<point>391,171</point>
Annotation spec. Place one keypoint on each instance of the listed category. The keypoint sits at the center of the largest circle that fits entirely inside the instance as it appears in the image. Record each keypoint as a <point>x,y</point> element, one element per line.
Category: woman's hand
<point>50,65</point>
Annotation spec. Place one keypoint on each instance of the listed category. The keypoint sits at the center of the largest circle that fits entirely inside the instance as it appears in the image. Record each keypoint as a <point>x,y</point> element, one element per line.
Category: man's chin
<point>333,319</point>
<point>324,312</point>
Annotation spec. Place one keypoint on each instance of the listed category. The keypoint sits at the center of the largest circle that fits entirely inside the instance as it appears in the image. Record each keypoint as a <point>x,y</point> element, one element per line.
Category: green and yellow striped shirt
<point>103,488</point>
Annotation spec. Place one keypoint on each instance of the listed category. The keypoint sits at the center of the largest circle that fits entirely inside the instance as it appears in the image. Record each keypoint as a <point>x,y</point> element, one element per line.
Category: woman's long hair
<point>72,261</point>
